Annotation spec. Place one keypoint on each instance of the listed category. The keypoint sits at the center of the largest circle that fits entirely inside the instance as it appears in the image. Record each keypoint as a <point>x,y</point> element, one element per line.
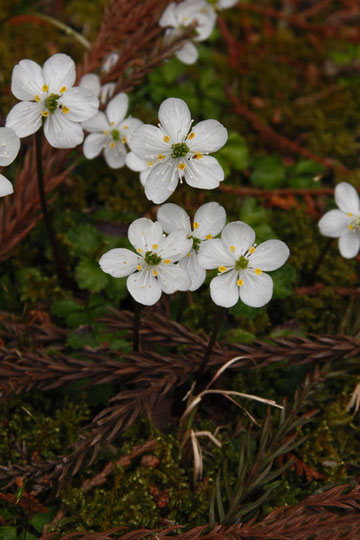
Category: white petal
<point>27,80</point>
<point>144,287</point>
<point>196,272</point>
<point>127,126</point>
<point>257,290</point>
<point>269,255</point>
<point>144,176</point>
<point>334,223</point>
<point>347,198</point>
<point>213,254</point>
<point>119,262</point>
<point>225,4</point>
<point>61,132</point>
<point>96,123</point>
<point>211,218</point>
<point>238,235</point>
<point>162,181</point>
<point>188,54</point>
<point>187,10</point>
<point>171,216</point>
<point>110,61</point>
<point>9,146</point>
<point>59,71</point>
<point>168,18</point>
<point>147,142</point>
<point>205,22</point>
<point>349,244</point>
<point>115,156</point>
<point>144,233</point>
<point>81,102</point>
<point>94,144</point>
<point>6,187</point>
<point>92,82</point>
<point>134,163</point>
<point>106,92</point>
<point>173,278</point>
<point>224,290</point>
<point>25,118</point>
<point>204,173</point>
<point>117,109</point>
<point>175,118</point>
<point>175,246</point>
<point>209,136</point>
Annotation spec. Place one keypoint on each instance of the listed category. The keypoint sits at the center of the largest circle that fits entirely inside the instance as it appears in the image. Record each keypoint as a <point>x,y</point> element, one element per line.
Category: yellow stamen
<point>149,163</point>
<point>252,249</point>
<point>155,273</point>
<point>154,246</point>
<point>112,123</point>
<point>45,88</point>
<point>192,135</point>
<point>188,255</point>
<point>240,282</point>
<point>222,268</point>
<point>65,109</point>
<point>45,113</point>
<point>123,139</point>
<point>196,225</point>
<point>139,267</point>
<point>351,227</point>
<point>208,236</point>
<point>112,145</point>
<point>37,98</point>
<point>258,271</point>
<point>349,214</point>
<point>182,166</point>
<point>167,261</point>
<point>139,250</point>
<point>161,156</point>
<point>63,89</point>
<point>106,132</point>
<point>232,249</point>
<point>166,138</point>
<point>125,127</point>
<point>198,155</point>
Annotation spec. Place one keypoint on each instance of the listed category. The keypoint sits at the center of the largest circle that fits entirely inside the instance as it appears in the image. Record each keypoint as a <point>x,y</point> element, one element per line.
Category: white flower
<point>186,13</point>
<point>110,132</point>
<point>48,93</point>
<point>242,265</point>
<point>110,61</point>
<point>344,223</point>
<point>223,4</point>
<point>138,165</point>
<point>175,151</point>
<point>151,269</point>
<point>9,149</point>
<point>91,81</point>
<point>209,220</point>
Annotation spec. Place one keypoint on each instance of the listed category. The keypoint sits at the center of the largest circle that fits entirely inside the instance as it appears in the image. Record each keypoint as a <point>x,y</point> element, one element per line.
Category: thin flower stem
<point>319,260</point>
<point>65,28</point>
<point>220,312</point>
<point>136,327</point>
<point>55,248</point>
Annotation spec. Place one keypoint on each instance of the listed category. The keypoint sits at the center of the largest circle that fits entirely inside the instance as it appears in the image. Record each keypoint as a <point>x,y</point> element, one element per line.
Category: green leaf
<point>90,276</point>
<point>234,154</point>
<point>269,172</point>
<point>8,533</point>
<point>85,239</point>
<point>39,520</point>
<point>283,279</point>
<point>303,173</point>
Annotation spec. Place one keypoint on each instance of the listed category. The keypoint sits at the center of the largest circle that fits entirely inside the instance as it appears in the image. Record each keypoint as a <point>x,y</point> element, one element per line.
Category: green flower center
<point>51,102</point>
<point>179,150</point>
<point>241,263</point>
<point>196,243</point>
<point>212,2</point>
<point>115,134</point>
<point>152,258</point>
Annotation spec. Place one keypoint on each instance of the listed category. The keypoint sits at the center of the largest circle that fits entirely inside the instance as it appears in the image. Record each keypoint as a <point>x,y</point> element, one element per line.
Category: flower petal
<point>115,156</point>
<point>224,290</point>
<point>134,163</point>
<point>25,118</point>
<point>188,54</point>
<point>107,91</point>
<point>205,22</point>
<point>349,244</point>
<point>210,219</point>
<point>94,144</point>
<point>162,181</point>
<point>127,126</point>
<point>9,146</point>
<point>175,118</point>
<point>6,187</point>
<point>27,80</point>
<point>171,216</point>
<point>257,290</point>
<point>81,102</point>
<point>269,255</point>
<point>196,272</point>
<point>59,71</point>
<point>144,176</point>
<point>117,109</point>
<point>237,235</point>
<point>347,198</point>
<point>144,287</point>
<point>168,18</point>
<point>62,132</point>
<point>207,136</point>
<point>204,173</point>
<point>334,223</point>
<point>213,254</point>
<point>147,142</point>
<point>225,4</point>
<point>110,61</point>
<point>175,246</point>
<point>96,123</point>
<point>173,278</point>
<point>91,81</point>
<point>144,233</point>
<point>120,262</point>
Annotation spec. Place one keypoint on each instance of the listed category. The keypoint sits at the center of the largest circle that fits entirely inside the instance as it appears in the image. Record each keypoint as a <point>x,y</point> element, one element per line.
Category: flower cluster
<point>9,149</point>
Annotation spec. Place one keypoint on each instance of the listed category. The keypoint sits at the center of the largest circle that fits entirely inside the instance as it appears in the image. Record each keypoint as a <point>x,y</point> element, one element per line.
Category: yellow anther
<point>112,145</point>
<point>125,127</point>
<point>45,113</point>
<point>138,267</point>
<point>123,139</point>
<point>188,255</point>
<point>182,166</point>
<point>112,123</point>
<point>161,156</point>
<point>154,246</point>
<point>166,138</point>
<point>198,155</point>
<point>37,98</point>
<point>155,273</point>
<point>232,249</point>
<point>139,250</point>
<point>45,88</point>
<point>65,109</point>
<point>240,282</point>
<point>63,89</point>
<point>208,236</point>
<point>222,268</point>
<point>192,135</point>
<point>196,225</point>
<point>251,250</point>
<point>149,163</point>
<point>351,227</point>
<point>349,214</point>
<point>167,261</point>
<point>106,132</point>
<point>258,271</point>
